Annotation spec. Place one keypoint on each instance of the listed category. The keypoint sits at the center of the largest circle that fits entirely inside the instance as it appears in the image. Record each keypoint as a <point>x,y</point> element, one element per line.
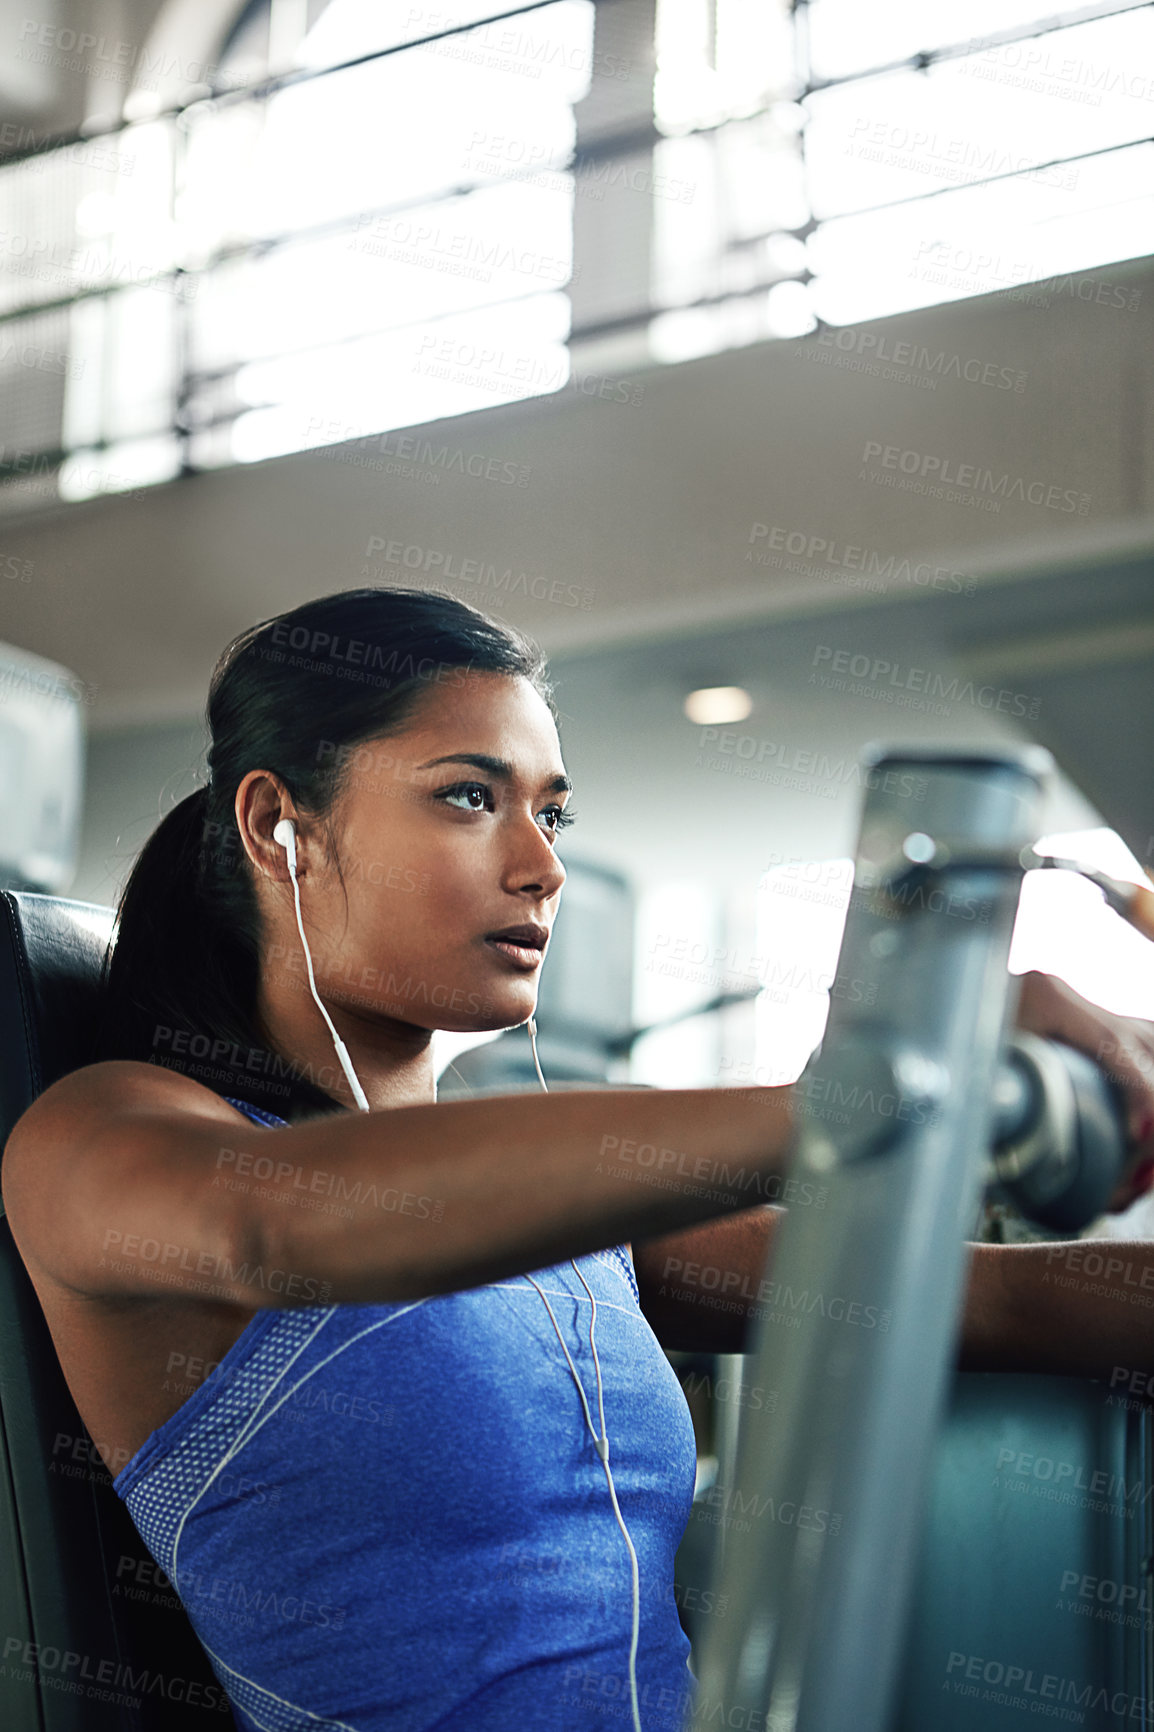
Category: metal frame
<point>860,1308</point>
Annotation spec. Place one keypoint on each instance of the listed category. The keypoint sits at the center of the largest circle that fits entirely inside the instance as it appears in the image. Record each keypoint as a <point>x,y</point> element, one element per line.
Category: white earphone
<point>284,832</point>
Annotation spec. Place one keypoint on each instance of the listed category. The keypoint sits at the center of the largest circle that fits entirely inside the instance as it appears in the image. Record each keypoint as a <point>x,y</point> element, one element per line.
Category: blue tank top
<point>392,1518</point>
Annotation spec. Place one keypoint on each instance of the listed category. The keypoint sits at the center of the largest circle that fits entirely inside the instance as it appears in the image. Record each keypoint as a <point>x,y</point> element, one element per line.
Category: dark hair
<point>294,695</point>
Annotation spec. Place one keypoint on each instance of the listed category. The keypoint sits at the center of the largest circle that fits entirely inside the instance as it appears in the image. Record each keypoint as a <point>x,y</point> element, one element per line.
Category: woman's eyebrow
<point>496,767</point>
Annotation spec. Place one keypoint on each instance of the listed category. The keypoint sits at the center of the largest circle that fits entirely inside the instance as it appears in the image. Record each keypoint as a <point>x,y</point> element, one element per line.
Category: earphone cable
<point>601,1444</point>
<point>346,1062</point>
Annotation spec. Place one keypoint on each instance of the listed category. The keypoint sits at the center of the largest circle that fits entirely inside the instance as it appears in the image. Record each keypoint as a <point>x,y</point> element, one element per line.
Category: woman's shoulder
<point>95,1111</point>
<point>115,1086</point>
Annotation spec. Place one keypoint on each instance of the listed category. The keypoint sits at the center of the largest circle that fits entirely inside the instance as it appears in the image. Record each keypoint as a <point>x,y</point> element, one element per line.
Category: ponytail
<point>179,987</point>
<point>162,920</point>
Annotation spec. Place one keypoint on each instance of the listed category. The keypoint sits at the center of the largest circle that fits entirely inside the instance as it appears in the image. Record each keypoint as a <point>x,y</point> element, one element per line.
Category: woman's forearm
<point>701,1288</point>
<point>423,1200</point>
<point>1080,1309</point>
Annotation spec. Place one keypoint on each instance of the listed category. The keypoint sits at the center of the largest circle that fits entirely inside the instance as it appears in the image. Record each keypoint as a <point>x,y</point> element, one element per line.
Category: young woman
<point>381,1381</point>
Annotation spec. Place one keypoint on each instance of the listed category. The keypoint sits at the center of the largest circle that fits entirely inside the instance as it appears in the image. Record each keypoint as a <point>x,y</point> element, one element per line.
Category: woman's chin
<point>498,1012</point>
<point>511,1018</point>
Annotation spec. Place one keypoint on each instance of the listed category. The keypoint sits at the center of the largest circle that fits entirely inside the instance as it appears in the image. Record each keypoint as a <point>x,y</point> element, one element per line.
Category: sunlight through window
<point>1063,927</point>
<point>387,241</point>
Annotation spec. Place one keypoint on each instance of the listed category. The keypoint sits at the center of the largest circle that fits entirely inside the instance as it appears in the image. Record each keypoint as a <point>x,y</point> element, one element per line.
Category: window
<point>1063,927</point>
<point>368,217</point>
<point>378,245</point>
<point>380,236</point>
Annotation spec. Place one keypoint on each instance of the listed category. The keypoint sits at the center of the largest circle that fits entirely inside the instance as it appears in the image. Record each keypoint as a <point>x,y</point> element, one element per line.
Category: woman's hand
<point>1123,1049</point>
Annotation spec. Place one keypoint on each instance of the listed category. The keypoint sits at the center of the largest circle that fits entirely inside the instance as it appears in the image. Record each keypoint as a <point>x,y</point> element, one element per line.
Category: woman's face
<point>445,835</point>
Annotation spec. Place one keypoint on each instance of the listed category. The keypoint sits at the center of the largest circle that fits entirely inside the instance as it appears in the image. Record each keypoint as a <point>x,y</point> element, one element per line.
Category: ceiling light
<point>715,704</point>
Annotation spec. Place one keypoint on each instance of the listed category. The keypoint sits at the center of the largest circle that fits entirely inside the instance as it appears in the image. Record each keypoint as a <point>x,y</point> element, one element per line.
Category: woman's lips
<point>524,955</point>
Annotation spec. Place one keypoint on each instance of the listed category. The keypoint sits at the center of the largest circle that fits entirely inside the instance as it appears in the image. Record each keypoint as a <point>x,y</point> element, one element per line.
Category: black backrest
<point>91,1637</point>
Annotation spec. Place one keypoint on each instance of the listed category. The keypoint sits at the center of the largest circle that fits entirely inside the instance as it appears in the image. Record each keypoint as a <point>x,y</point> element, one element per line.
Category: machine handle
<point>1059,1133</point>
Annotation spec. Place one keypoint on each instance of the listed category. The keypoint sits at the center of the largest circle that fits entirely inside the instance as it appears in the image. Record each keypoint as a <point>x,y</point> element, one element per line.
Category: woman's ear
<point>263,806</point>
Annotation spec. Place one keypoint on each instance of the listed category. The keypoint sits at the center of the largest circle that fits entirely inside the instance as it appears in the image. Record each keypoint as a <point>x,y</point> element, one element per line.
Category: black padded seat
<point>90,1639</point>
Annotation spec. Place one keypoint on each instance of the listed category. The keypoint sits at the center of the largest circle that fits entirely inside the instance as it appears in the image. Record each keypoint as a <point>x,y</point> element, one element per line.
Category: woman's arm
<point>1028,1307</point>
<point>699,1287</point>
<point>1081,1309</point>
<point>125,1180</point>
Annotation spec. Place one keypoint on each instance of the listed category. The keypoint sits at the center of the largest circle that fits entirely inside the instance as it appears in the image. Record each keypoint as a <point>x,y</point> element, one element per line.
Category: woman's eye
<point>464,791</point>
<point>478,797</point>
